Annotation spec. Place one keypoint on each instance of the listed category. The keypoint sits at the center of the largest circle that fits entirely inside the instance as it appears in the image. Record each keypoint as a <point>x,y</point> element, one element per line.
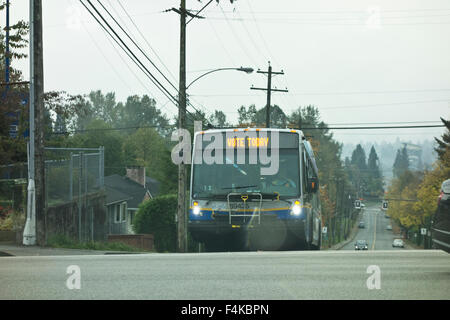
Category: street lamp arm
<point>247,70</point>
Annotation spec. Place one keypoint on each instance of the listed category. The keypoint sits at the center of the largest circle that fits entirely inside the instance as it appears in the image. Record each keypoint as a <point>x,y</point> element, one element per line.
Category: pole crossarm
<point>265,89</point>
<point>273,72</point>
<point>192,17</point>
<point>269,90</point>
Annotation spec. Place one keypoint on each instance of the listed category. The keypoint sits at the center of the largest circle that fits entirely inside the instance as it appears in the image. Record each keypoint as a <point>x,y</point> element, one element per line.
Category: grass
<point>62,241</point>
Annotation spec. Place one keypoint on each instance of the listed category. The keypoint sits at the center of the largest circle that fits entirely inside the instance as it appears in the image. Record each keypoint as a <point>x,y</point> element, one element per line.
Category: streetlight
<point>246,70</point>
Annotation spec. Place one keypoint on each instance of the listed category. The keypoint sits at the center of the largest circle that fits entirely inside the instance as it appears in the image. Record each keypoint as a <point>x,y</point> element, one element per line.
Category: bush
<point>157,217</point>
<point>6,224</point>
<point>62,241</point>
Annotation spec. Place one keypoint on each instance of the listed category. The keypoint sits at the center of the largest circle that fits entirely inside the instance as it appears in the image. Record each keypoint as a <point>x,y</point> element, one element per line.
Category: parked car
<point>361,225</point>
<point>389,227</point>
<point>398,243</point>
<point>361,245</point>
<point>440,224</point>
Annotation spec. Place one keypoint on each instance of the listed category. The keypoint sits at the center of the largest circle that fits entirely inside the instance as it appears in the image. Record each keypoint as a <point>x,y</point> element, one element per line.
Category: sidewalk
<point>11,249</point>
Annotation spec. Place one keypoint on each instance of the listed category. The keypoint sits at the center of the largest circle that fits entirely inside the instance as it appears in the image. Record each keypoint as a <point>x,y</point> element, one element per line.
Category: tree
<point>359,158</point>
<point>247,117</point>
<point>405,188</point>
<point>401,163</point>
<point>218,119</point>
<point>98,133</point>
<point>375,180</point>
<point>146,148</point>
<point>444,144</point>
<point>13,110</point>
<point>141,112</point>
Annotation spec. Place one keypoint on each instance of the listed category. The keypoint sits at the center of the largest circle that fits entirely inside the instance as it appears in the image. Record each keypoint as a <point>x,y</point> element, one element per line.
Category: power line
<point>136,45</point>
<point>145,40</point>
<point>384,104</point>
<point>244,48</point>
<point>132,56</point>
<point>334,93</point>
<point>232,127</point>
<point>145,55</point>
<point>128,51</point>
<point>339,11</point>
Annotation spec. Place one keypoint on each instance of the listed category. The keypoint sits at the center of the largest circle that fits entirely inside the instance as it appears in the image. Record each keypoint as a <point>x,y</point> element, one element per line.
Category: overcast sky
<point>358,61</point>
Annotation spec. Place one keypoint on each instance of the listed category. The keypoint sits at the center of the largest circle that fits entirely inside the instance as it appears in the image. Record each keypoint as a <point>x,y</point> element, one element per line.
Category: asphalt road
<point>407,274</point>
<point>375,233</point>
<point>382,272</point>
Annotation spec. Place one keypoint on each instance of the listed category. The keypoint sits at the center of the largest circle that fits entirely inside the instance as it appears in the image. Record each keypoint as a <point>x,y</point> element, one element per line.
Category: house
<point>123,197</point>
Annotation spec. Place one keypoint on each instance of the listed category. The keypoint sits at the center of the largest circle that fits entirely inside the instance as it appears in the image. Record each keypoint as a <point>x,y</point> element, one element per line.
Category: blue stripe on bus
<point>282,214</point>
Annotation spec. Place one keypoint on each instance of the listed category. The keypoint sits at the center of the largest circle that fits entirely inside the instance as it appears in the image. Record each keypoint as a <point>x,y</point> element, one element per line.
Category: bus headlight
<point>296,209</point>
<point>195,208</point>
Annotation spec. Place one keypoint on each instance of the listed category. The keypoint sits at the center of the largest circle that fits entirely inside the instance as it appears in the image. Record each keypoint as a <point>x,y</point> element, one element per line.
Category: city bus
<point>254,189</point>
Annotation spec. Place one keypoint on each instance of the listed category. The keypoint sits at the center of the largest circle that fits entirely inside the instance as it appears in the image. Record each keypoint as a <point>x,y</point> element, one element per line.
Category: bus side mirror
<point>313,185</point>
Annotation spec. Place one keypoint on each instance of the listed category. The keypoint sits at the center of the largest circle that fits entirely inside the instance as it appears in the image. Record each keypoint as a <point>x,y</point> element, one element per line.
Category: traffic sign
<point>357,204</point>
<point>324,229</point>
<point>423,231</point>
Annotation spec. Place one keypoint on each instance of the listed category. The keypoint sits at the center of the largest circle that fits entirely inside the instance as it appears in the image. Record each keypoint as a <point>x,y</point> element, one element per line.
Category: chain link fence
<point>74,193</point>
<point>72,173</point>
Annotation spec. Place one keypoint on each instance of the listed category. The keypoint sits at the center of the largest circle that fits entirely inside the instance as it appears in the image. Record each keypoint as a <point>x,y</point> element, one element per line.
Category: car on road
<point>361,225</point>
<point>361,245</point>
<point>440,225</point>
<point>389,227</point>
<point>398,243</point>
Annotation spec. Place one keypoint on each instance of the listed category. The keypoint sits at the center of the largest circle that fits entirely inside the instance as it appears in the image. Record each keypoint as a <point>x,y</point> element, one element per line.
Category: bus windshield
<point>217,180</point>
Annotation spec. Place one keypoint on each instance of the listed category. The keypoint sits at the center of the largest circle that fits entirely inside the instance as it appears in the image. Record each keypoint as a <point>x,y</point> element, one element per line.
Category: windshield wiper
<point>239,187</point>
<point>209,196</point>
<point>273,196</point>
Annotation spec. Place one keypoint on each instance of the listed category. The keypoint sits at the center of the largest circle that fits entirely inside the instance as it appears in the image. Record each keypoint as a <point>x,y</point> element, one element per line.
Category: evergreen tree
<point>401,163</point>
<point>375,180</point>
<point>444,144</point>
<point>359,170</point>
<point>359,158</point>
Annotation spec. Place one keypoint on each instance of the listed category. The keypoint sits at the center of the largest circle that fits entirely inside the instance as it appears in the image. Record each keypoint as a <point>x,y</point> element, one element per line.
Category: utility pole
<point>269,90</point>
<point>34,231</point>
<point>182,245</point>
<point>7,58</point>
<point>182,232</point>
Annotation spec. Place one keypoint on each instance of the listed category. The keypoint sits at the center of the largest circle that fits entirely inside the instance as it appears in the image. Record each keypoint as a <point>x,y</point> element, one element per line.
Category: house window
<point>116,210</point>
<point>123,211</point>
<point>120,212</point>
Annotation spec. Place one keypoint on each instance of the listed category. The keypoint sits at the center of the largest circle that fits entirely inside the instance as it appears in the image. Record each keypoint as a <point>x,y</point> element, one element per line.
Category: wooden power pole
<point>38,97</point>
<point>181,213</point>
<point>269,90</point>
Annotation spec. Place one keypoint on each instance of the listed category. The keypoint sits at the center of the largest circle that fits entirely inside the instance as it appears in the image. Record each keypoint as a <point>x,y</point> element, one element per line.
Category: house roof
<point>119,185</point>
<point>113,196</point>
